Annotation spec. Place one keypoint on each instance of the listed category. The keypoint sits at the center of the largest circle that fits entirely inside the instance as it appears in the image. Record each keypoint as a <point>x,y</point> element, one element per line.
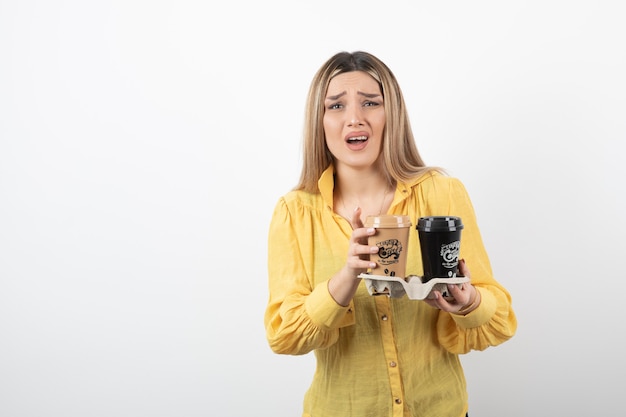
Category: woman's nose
<point>355,117</point>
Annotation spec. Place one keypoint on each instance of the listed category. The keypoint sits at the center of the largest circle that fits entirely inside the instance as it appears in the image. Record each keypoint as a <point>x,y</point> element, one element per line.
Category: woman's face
<point>354,119</point>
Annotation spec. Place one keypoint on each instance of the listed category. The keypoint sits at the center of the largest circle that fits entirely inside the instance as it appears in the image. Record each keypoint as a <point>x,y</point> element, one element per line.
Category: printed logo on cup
<point>450,254</point>
<point>389,251</point>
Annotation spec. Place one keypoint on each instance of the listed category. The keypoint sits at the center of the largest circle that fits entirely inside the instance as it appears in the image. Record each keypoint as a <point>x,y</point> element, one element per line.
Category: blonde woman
<point>376,356</point>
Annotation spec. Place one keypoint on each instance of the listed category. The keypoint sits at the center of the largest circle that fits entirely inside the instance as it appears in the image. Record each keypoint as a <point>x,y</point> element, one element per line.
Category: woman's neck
<point>368,190</point>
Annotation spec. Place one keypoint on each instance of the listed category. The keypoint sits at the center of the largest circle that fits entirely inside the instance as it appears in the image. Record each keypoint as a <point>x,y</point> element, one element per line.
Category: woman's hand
<point>343,285</point>
<point>359,252</point>
<point>464,299</point>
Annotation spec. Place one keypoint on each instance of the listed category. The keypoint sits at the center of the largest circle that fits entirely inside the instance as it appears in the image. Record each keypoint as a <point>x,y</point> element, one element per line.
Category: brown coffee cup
<point>392,239</point>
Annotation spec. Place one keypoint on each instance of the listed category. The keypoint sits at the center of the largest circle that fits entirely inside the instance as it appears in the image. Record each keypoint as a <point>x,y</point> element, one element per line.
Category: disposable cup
<point>440,243</point>
<point>392,240</point>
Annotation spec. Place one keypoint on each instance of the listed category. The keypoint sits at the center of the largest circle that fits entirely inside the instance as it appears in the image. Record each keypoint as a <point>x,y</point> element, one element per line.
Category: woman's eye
<point>335,106</point>
<point>370,104</point>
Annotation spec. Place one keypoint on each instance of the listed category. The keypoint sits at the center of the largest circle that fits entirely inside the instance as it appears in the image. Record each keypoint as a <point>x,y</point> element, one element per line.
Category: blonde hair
<point>401,160</point>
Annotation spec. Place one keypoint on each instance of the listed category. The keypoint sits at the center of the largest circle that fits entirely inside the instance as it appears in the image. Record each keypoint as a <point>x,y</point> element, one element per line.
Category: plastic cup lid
<point>439,224</point>
<point>388,220</point>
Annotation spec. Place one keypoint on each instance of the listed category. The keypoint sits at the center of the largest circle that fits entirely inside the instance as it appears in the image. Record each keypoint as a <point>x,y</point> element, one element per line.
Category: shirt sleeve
<point>299,317</point>
<point>493,321</point>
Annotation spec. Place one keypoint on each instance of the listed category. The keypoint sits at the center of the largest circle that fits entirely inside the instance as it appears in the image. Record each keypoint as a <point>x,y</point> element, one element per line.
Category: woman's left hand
<point>462,297</point>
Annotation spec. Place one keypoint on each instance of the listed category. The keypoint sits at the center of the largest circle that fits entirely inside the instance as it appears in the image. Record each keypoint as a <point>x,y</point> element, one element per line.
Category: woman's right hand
<point>343,285</point>
<point>359,252</point>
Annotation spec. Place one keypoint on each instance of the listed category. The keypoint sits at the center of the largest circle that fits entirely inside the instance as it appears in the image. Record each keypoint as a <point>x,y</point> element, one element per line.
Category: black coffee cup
<point>440,243</point>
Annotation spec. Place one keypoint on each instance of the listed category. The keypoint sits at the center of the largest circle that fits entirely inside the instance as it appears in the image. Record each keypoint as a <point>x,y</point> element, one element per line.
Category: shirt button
<point>398,401</point>
<point>383,317</point>
<point>392,364</point>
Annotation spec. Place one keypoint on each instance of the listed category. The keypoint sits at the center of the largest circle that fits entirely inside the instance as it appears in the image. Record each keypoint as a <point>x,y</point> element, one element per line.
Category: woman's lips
<point>357,142</point>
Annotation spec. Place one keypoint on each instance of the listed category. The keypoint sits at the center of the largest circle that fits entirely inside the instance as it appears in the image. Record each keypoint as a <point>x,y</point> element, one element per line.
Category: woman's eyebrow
<point>367,95</point>
<point>336,96</point>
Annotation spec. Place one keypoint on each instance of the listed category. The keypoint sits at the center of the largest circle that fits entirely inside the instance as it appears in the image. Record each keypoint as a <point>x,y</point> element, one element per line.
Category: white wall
<point>143,145</point>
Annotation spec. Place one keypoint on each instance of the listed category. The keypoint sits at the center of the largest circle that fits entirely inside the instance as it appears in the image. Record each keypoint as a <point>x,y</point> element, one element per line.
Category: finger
<point>461,295</point>
<point>438,301</point>
<point>455,291</point>
<point>358,249</point>
<point>431,300</point>
<point>361,235</point>
<point>361,265</point>
<point>356,219</point>
<point>463,268</point>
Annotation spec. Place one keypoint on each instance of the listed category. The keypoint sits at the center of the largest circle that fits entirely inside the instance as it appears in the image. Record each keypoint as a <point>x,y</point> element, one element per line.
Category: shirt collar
<point>326,185</point>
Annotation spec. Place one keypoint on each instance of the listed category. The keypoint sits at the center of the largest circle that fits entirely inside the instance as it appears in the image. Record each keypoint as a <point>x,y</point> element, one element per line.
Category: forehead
<point>354,80</point>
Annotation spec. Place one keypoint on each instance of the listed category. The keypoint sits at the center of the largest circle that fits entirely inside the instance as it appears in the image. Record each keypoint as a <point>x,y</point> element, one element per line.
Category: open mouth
<point>357,139</point>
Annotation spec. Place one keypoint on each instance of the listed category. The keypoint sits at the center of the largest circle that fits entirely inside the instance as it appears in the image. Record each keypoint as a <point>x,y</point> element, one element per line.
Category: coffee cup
<point>440,243</point>
<point>392,240</point>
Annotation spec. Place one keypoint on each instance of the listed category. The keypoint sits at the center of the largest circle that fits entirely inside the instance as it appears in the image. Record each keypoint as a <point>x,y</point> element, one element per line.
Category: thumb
<point>356,219</point>
<point>463,269</point>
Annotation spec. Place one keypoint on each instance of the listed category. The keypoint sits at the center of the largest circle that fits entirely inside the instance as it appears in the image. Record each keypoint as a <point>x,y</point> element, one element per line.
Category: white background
<point>143,145</point>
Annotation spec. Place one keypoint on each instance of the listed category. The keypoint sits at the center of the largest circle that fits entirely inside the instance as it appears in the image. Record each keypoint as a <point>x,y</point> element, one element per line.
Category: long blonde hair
<point>401,160</point>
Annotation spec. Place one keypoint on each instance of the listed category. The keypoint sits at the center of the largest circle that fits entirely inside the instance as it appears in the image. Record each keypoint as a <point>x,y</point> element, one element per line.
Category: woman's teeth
<point>357,139</point>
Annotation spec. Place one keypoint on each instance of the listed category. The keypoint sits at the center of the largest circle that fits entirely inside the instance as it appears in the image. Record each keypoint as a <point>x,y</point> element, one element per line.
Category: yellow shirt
<point>379,356</point>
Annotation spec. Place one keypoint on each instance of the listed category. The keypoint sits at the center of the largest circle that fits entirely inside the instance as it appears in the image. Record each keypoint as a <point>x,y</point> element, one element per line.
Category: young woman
<point>376,356</point>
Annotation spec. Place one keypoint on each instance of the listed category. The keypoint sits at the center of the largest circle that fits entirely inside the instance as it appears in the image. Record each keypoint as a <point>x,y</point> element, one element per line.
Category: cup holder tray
<point>412,286</point>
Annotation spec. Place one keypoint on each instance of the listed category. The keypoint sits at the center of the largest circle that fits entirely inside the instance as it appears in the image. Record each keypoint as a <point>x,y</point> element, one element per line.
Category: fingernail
<point>374,249</point>
<point>450,286</point>
<point>372,264</point>
<point>370,230</point>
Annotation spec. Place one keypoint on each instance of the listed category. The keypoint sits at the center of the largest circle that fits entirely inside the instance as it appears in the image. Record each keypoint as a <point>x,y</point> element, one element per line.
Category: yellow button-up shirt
<point>379,356</point>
